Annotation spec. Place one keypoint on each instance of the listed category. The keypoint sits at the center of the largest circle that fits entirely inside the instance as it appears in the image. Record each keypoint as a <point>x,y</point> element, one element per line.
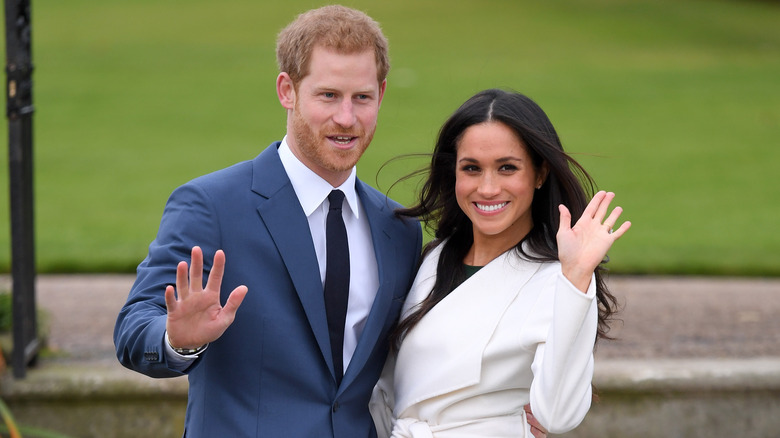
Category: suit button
<point>335,407</point>
<point>151,356</point>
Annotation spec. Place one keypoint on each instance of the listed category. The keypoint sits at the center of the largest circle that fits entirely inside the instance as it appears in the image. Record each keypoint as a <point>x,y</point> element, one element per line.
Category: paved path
<point>662,318</point>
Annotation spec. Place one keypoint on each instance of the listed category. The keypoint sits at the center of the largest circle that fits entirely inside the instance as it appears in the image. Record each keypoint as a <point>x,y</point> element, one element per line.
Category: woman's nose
<point>488,186</point>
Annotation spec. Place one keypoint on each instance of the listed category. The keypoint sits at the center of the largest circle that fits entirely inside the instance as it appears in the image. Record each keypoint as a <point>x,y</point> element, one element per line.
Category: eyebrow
<point>497,160</point>
<point>330,89</point>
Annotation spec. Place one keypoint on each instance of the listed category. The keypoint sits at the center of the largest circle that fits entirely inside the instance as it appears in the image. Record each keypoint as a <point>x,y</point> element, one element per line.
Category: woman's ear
<point>285,90</point>
<point>542,177</point>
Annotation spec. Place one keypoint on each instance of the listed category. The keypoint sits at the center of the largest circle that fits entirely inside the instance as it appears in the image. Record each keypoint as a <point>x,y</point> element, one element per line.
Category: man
<point>259,359</point>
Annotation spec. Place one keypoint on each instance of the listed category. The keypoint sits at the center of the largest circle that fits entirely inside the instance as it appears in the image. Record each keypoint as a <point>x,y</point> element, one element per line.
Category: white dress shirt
<point>312,192</point>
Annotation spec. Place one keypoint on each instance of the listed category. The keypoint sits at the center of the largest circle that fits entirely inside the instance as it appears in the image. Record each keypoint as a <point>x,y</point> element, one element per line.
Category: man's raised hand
<point>195,314</point>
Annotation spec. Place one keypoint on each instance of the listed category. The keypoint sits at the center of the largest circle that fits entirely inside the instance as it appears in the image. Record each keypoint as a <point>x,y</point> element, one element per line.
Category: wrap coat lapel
<point>485,296</point>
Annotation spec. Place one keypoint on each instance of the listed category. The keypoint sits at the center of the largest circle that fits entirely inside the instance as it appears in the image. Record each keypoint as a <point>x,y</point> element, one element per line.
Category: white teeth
<point>343,140</point>
<point>491,207</point>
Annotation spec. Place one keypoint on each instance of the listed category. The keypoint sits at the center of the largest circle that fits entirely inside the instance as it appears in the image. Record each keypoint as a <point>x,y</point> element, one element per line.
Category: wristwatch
<point>186,351</point>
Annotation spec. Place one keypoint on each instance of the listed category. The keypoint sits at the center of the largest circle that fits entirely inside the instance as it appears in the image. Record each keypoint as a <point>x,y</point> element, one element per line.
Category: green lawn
<point>674,105</point>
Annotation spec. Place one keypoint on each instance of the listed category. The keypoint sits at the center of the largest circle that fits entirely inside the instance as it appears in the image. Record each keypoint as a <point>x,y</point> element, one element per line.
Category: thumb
<point>565,218</point>
<point>234,301</point>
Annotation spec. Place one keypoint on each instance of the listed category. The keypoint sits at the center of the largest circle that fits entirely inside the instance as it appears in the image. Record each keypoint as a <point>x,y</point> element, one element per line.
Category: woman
<point>508,301</point>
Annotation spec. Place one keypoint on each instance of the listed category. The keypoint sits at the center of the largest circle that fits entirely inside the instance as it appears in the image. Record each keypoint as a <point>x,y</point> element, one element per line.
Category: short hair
<point>345,30</point>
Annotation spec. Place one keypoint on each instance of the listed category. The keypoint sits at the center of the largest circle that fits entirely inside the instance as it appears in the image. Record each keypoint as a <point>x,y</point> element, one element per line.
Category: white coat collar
<point>448,330</point>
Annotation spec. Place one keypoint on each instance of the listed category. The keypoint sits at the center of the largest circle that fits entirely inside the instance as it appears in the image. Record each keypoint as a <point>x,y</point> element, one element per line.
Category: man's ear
<point>285,90</point>
<point>382,88</point>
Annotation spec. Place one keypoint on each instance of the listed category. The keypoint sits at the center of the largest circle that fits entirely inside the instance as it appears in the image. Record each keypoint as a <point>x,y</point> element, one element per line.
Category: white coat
<point>514,332</point>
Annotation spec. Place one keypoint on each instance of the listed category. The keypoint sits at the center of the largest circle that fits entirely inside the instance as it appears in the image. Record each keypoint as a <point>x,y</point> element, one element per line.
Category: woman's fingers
<point>603,200</point>
<point>613,218</point>
<point>593,206</point>
<point>620,231</point>
<point>597,211</point>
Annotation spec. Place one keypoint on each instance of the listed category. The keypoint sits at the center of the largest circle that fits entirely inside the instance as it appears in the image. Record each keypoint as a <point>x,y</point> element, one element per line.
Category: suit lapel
<point>282,214</point>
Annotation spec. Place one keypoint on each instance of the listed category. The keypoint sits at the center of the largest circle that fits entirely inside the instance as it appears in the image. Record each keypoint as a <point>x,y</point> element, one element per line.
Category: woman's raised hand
<point>582,247</point>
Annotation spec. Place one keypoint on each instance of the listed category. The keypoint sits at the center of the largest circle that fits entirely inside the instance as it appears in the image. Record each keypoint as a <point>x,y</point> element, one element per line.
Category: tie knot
<point>336,199</point>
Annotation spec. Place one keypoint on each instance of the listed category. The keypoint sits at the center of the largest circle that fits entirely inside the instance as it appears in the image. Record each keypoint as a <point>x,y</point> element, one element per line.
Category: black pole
<point>20,151</point>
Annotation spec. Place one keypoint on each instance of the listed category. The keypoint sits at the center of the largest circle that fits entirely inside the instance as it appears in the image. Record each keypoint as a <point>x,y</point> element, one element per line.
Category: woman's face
<point>495,181</point>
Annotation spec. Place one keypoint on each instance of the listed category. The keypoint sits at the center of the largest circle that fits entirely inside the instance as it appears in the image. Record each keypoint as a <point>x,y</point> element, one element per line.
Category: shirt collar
<point>311,188</point>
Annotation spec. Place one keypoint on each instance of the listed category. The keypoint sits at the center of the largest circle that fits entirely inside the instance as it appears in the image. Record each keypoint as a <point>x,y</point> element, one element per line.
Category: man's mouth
<point>342,140</point>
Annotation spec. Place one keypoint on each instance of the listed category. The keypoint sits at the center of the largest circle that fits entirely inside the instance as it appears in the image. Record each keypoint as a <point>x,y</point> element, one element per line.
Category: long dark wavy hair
<point>567,183</point>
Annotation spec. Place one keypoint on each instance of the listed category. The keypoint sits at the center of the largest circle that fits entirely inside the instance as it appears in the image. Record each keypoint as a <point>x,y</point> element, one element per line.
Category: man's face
<point>334,112</point>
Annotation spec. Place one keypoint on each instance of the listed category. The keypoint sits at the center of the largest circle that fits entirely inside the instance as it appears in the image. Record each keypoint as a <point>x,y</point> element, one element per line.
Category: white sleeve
<point>176,361</point>
<point>561,389</point>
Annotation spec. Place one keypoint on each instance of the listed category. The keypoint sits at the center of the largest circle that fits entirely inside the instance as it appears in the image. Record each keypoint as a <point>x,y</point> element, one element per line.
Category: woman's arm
<point>563,364</point>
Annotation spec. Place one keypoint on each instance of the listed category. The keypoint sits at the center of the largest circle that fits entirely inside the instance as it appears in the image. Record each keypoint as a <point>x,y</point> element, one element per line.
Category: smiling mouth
<point>490,208</point>
<point>342,140</point>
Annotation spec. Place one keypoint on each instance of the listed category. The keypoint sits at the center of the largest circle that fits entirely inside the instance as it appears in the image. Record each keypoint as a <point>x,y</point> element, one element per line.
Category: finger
<point>613,217</point>
<point>590,210</point>
<point>565,219</point>
<point>196,269</point>
<point>217,270</point>
<point>234,301</point>
<point>170,298</point>
<point>620,231</point>
<point>182,281</point>
<point>603,206</point>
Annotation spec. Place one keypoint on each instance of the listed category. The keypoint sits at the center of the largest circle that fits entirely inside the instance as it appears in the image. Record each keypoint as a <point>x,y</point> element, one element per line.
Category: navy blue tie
<point>336,279</point>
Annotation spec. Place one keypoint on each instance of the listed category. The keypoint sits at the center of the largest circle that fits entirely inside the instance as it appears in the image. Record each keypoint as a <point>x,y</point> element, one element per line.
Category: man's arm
<point>190,218</point>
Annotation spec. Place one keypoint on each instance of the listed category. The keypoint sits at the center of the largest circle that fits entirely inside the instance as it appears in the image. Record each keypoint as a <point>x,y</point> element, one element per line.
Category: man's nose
<point>345,115</point>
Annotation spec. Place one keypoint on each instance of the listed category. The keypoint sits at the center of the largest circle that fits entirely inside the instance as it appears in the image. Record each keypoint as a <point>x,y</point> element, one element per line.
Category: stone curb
<point>688,374</point>
<point>69,381</point>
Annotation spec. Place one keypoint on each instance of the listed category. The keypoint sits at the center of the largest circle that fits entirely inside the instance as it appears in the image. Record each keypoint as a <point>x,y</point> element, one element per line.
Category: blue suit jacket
<point>271,373</point>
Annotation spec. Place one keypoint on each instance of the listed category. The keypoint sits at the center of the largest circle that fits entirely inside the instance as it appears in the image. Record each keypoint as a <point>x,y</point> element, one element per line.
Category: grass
<point>674,105</point>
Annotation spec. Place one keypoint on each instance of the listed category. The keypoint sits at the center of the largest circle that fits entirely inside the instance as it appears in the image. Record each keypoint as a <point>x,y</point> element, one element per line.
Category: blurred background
<point>673,105</point>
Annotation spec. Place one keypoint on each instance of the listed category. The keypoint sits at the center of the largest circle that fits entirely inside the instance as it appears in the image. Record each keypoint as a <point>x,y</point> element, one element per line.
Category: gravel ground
<point>662,317</point>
